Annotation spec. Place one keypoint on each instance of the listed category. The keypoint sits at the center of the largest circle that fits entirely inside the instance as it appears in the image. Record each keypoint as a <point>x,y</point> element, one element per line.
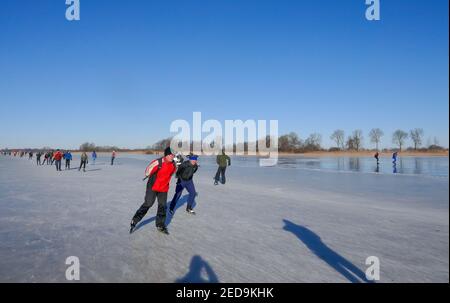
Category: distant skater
<point>49,155</point>
<point>223,161</point>
<point>113,156</point>
<point>394,157</point>
<point>57,156</point>
<point>377,156</point>
<point>38,158</point>
<point>159,173</point>
<point>84,161</point>
<point>30,156</point>
<point>94,157</point>
<point>185,173</point>
<point>68,158</point>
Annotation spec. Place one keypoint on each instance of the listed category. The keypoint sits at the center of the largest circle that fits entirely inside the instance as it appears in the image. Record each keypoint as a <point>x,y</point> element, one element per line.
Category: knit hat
<point>193,157</point>
<point>167,151</point>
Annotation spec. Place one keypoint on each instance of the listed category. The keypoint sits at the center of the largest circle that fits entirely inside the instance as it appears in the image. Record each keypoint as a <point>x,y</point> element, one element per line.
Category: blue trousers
<point>189,185</point>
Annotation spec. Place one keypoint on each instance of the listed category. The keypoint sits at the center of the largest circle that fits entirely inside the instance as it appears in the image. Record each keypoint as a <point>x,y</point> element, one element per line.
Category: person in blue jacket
<point>394,157</point>
<point>94,157</point>
<point>68,157</point>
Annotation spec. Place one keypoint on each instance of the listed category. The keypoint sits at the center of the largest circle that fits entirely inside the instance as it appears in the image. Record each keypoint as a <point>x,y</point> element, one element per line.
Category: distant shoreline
<point>367,154</point>
<point>323,154</point>
<point>318,154</point>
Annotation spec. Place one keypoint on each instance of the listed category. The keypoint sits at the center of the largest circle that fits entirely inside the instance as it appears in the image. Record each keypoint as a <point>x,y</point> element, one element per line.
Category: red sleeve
<point>151,168</point>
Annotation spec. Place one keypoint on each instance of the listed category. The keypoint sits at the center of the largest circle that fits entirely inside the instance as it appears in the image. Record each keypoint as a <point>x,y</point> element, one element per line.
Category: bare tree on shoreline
<point>416,136</point>
<point>338,136</point>
<point>375,136</point>
<point>357,139</point>
<point>399,138</point>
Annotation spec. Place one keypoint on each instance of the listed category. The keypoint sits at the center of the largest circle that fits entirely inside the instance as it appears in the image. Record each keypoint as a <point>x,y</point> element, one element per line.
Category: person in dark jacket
<point>38,158</point>
<point>113,157</point>
<point>185,173</point>
<point>84,161</point>
<point>223,161</point>
<point>159,173</point>
<point>49,156</point>
<point>377,156</point>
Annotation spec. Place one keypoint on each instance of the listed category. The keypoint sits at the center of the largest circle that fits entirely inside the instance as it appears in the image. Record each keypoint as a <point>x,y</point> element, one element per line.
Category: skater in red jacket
<point>159,173</point>
<point>57,156</point>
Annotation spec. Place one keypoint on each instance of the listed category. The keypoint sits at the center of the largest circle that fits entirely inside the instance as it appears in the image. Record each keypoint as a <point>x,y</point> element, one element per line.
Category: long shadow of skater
<point>321,250</point>
<point>195,272</point>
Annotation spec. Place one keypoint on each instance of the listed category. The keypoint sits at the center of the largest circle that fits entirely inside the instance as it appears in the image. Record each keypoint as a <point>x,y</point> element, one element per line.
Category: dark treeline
<point>89,147</point>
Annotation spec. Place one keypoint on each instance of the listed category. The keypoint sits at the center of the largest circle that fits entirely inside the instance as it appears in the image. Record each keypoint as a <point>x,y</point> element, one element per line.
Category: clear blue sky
<point>123,73</point>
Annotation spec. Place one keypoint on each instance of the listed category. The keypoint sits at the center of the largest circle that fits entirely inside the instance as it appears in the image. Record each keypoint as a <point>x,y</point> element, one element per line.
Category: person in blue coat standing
<point>68,157</point>
<point>94,157</point>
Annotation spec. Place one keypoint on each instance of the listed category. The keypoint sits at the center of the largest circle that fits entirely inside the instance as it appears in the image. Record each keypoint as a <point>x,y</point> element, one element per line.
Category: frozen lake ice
<point>306,220</point>
<point>434,166</point>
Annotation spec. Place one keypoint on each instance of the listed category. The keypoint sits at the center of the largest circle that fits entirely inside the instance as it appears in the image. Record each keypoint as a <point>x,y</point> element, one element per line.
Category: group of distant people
<point>394,157</point>
<point>394,161</point>
<point>56,157</point>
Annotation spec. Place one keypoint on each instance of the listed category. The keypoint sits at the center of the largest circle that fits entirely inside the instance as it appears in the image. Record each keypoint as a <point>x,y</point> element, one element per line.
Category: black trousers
<point>67,164</point>
<point>221,173</point>
<point>112,160</point>
<point>150,197</point>
<point>38,161</point>
<point>82,164</point>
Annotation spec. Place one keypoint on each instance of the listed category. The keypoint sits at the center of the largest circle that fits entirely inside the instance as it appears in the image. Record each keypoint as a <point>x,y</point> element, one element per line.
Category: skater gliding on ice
<point>84,161</point>
<point>223,161</point>
<point>68,158</point>
<point>57,156</point>
<point>94,157</point>
<point>159,173</point>
<point>394,157</point>
<point>377,156</point>
<point>38,158</point>
<point>185,173</point>
<point>113,156</point>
